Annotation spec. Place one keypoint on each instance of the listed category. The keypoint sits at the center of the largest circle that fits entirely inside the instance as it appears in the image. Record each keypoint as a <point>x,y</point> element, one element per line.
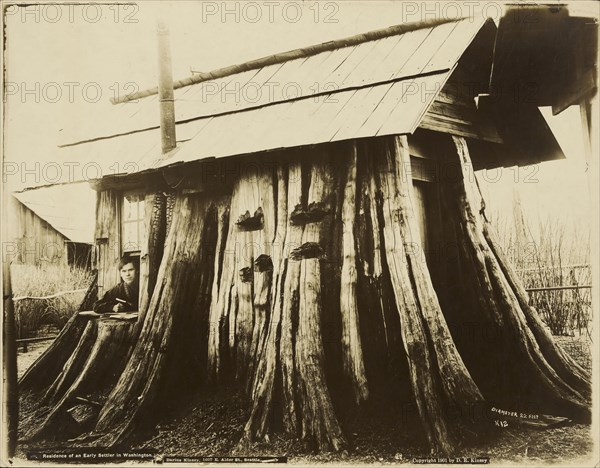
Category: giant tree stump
<point>90,374</point>
<point>251,285</point>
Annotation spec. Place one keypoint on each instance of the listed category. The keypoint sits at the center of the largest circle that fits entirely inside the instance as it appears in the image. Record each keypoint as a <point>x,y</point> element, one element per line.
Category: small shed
<point>318,246</point>
<point>53,224</point>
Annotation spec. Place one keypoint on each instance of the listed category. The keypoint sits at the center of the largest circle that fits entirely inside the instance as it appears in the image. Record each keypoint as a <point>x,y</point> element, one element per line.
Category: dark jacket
<point>109,300</point>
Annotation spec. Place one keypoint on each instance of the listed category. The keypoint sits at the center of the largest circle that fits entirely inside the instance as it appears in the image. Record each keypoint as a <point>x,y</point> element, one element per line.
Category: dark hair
<point>125,260</point>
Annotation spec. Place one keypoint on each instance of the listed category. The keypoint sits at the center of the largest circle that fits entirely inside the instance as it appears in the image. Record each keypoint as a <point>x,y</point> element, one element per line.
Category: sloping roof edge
<point>31,207</point>
<point>199,77</point>
<point>72,234</point>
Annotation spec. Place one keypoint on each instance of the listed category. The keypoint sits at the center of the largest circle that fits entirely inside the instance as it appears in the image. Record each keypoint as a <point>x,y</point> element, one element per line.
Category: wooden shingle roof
<point>379,83</point>
<point>385,82</point>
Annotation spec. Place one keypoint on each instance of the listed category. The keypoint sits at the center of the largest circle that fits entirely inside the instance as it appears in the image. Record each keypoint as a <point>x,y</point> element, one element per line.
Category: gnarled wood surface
<point>307,288</point>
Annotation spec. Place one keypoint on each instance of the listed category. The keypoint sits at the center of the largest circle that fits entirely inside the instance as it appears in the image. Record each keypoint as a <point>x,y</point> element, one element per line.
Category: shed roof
<point>374,84</point>
<point>68,208</point>
<point>338,93</point>
<point>360,74</point>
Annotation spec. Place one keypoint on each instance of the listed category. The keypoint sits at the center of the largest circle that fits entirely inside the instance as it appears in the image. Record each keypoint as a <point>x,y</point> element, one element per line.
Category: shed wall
<point>35,241</point>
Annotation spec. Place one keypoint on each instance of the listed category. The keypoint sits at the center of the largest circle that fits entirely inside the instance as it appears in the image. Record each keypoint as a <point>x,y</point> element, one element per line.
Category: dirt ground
<point>26,359</point>
<point>212,425</point>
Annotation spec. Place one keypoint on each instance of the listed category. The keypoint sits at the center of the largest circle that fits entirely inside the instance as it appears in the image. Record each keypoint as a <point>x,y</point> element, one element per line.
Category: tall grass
<point>34,315</point>
<point>553,254</point>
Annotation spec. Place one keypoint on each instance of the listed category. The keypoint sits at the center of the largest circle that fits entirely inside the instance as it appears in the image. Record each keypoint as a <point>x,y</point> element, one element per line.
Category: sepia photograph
<point>300,232</point>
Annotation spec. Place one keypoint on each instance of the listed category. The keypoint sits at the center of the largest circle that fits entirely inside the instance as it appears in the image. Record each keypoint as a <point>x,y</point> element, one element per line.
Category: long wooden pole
<point>165,89</point>
<point>10,398</point>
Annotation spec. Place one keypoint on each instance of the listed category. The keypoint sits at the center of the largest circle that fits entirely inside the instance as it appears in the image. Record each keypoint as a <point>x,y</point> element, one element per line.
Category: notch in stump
<point>315,212</point>
<point>307,250</point>
<point>247,222</point>
<point>247,275</point>
<point>263,263</point>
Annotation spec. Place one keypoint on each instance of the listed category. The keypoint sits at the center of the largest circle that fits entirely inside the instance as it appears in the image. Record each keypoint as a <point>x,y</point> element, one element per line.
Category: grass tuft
<point>553,254</point>
<point>35,315</point>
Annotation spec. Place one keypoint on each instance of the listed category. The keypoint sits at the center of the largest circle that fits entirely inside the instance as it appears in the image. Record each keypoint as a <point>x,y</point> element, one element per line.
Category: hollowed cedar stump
<point>246,288</point>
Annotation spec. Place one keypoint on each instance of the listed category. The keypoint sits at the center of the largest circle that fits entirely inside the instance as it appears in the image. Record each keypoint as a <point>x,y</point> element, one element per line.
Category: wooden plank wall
<point>36,241</point>
<point>107,237</point>
<point>454,112</point>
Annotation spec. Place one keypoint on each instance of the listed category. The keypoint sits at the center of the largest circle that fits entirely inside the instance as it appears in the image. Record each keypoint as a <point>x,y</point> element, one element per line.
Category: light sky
<point>64,62</point>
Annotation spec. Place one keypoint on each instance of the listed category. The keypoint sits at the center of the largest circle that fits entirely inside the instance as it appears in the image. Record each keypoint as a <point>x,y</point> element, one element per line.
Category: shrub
<point>40,281</point>
<point>554,255</point>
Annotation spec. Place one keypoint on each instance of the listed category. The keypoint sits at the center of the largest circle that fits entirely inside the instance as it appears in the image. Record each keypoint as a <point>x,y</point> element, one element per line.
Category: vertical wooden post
<point>589,125</point>
<point>10,397</point>
<point>165,89</point>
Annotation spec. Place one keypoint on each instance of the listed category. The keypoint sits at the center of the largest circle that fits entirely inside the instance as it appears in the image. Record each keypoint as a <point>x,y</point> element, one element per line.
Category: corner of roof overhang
<point>482,23</point>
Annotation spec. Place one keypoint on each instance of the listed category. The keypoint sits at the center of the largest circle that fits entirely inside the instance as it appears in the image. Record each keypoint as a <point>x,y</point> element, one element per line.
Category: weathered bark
<point>319,422</point>
<point>352,353</point>
<point>568,370</point>
<point>293,354</point>
<point>256,313</point>
<point>45,369</point>
<point>502,300</point>
<point>152,246</point>
<point>49,365</point>
<point>440,380</point>
<point>186,355</point>
<point>263,205</point>
<point>289,299</point>
<point>243,288</point>
<point>265,375</point>
<point>93,368</point>
<point>263,276</point>
<point>89,355</point>
<point>215,321</point>
<point>183,264</point>
<point>248,219</point>
<point>224,304</point>
<point>383,347</point>
<point>74,364</point>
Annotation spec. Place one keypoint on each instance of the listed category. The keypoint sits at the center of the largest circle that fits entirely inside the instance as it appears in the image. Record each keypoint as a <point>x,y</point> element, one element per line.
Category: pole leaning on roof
<point>165,89</point>
<point>199,77</point>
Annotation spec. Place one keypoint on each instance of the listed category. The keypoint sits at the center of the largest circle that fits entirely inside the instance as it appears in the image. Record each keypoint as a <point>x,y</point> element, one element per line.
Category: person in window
<point>124,296</point>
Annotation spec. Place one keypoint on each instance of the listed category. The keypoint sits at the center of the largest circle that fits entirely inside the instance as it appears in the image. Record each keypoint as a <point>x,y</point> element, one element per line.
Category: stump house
<point>309,231</point>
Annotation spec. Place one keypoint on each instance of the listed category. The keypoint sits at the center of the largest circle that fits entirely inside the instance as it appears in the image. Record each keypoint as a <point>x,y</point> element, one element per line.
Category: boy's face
<point>128,273</point>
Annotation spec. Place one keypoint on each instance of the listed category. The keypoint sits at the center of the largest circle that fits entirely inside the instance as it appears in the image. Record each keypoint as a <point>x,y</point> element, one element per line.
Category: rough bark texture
<point>545,379</point>
<point>439,376</point>
<point>292,367</point>
<point>351,341</point>
<point>267,367</point>
<point>318,418</point>
<point>307,289</point>
<point>568,370</point>
<point>88,355</point>
<point>92,369</point>
<point>241,291</point>
<point>183,265</point>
